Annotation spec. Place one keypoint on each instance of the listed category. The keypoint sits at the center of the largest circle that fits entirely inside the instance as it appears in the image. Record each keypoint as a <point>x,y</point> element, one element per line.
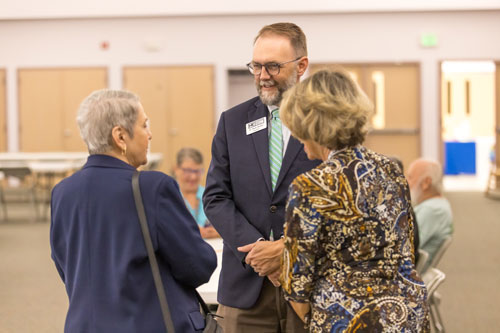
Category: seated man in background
<point>432,210</point>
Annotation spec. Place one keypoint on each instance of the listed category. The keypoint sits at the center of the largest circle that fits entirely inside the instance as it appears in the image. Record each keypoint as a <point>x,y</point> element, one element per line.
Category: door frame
<point>5,130</point>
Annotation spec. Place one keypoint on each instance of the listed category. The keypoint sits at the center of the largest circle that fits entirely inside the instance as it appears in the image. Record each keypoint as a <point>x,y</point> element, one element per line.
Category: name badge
<point>256,125</point>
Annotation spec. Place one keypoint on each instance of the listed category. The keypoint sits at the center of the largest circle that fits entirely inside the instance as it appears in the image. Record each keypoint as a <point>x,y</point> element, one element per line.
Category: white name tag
<point>256,125</point>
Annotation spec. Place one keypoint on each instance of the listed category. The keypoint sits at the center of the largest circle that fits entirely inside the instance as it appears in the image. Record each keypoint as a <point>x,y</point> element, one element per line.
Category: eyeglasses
<point>195,172</point>
<point>272,68</point>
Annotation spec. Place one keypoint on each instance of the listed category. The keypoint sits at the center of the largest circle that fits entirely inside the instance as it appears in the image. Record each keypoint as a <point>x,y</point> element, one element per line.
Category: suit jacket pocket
<point>197,320</point>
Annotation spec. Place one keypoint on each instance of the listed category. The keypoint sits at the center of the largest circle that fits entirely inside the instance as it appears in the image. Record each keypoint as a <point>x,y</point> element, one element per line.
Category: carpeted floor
<point>472,266</point>
<point>33,299</point>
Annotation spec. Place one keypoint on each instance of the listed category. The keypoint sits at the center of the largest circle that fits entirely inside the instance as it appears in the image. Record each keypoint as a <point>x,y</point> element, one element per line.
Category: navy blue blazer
<point>99,251</point>
<point>239,200</point>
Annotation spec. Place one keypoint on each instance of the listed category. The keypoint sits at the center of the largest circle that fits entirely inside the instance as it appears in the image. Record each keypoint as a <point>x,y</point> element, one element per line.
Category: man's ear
<point>302,66</point>
<point>426,183</point>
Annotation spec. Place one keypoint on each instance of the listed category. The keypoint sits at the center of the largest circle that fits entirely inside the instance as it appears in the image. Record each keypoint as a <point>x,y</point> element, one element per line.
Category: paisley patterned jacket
<point>349,246</point>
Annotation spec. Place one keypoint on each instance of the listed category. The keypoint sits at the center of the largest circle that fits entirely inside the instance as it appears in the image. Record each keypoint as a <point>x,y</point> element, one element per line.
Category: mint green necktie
<point>275,146</point>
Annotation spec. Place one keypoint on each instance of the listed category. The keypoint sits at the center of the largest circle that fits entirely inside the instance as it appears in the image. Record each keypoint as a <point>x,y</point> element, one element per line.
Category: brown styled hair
<point>290,30</point>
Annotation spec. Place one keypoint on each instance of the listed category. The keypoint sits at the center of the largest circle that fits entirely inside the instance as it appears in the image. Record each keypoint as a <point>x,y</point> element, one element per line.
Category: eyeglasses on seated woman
<point>189,173</point>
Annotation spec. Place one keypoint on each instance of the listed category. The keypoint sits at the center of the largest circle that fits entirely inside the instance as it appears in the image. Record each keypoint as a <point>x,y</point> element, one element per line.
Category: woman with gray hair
<point>348,259</point>
<point>95,235</point>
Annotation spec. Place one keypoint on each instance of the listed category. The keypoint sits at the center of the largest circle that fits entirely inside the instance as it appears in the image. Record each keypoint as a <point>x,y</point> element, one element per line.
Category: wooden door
<point>40,109</point>
<point>180,104</point>
<point>3,113</point>
<point>76,85</point>
<point>48,104</point>
<point>151,84</point>
<point>497,114</point>
<point>394,90</point>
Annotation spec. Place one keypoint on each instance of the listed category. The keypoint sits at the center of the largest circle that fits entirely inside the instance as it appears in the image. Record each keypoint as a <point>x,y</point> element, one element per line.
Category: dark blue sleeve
<point>218,201</point>
<point>55,236</point>
<point>191,259</point>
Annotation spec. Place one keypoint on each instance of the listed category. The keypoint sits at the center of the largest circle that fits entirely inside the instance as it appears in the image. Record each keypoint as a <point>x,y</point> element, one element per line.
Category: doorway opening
<point>241,86</point>
<point>468,123</point>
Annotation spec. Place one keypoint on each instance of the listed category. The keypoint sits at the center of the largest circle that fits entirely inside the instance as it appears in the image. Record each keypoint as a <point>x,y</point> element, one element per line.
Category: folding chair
<point>20,172</point>
<point>422,260</point>
<point>493,184</point>
<point>433,278</point>
<point>442,249</point>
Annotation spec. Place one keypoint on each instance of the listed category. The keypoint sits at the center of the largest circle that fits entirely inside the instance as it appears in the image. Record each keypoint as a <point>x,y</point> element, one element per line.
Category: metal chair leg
<point>436,300</point>
<point>34,203</point>
<point>4,205</point>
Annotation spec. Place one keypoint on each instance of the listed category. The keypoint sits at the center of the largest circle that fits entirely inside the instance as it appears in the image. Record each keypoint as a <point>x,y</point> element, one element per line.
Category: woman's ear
<point>118,135</point>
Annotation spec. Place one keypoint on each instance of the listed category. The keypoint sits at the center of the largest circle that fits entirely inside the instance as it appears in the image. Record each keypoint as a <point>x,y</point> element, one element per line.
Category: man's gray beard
<point>275,99</point>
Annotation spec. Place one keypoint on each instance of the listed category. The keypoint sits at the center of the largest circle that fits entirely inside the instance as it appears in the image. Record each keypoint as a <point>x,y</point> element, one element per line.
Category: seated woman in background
<point>95,235</point>
<point>348,264</point>
<point>188,172</point>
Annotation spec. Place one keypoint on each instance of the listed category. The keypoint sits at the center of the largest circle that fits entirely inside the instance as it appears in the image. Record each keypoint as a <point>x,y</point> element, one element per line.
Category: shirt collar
<point>199,193</point>
<point>271,108</point>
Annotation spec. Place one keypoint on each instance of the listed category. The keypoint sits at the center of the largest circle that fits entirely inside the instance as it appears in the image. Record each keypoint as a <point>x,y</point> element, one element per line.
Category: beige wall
<point>225,42</point>
<point>33,9</point>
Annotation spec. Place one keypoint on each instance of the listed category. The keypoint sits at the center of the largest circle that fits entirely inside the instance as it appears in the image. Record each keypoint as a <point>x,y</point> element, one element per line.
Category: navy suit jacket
<point>239,200</point>
<point>98,248</point>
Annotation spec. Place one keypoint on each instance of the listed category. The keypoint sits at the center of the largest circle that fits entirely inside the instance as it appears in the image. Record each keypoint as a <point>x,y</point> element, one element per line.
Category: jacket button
<point>273,209</point>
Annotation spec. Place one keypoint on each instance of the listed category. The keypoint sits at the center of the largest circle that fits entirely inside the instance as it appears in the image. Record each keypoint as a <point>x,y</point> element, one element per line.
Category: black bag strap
<point>203,305</point>
<point>167,319</point>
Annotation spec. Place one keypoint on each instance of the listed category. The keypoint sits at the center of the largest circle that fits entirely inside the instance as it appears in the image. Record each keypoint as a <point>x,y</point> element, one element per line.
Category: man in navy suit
<point>247,187</point>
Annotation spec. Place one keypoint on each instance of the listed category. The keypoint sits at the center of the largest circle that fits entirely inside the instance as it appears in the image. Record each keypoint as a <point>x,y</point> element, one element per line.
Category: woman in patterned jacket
<point>348,259</point>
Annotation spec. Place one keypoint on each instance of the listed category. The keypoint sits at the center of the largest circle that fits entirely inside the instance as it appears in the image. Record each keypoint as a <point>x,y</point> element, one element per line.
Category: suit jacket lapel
<point>261,142</point>
<point>292,150</point>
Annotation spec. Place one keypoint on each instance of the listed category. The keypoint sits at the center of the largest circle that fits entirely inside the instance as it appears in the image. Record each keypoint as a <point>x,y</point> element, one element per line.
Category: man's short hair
<point>290,30</point>
<point>434,171</point>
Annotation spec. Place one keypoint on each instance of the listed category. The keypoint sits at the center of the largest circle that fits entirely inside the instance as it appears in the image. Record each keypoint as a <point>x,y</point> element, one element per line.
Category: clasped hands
<point>264,257</point>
